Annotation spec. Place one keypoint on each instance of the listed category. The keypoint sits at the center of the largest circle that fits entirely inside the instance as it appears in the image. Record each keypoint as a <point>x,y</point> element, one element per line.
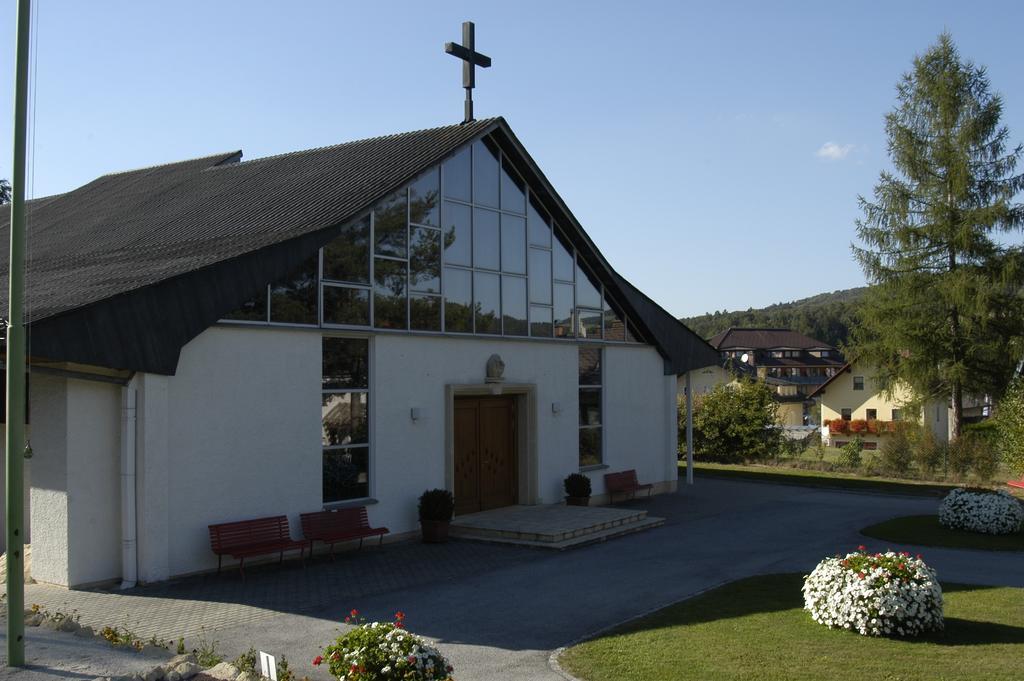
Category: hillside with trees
<point>826,316</point>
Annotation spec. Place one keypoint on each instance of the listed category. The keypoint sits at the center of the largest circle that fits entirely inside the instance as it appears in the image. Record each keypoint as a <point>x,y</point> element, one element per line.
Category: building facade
<point>345,326</point>
<point>853,406</point>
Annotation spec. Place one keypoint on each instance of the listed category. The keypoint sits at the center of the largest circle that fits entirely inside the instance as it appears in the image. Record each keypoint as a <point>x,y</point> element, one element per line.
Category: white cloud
<point>832,151</point>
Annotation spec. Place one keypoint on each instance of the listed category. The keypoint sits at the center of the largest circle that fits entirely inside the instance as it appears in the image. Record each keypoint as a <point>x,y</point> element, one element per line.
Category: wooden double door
<point>486,466</point>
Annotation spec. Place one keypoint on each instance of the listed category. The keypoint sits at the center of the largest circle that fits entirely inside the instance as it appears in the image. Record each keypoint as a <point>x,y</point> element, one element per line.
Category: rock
<point>85,632</point>
<point>247,676</point>
<point>50,623</point>
<point>154,674</point>
<point>173,676</point>
<point>188,669</point>
<point>34,620</point>
<point>67,624</point>
<point>178,659</point>
<point>225,671</point>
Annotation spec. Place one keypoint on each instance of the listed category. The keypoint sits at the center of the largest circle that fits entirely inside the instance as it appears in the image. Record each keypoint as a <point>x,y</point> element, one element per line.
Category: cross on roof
<point>470,60</point>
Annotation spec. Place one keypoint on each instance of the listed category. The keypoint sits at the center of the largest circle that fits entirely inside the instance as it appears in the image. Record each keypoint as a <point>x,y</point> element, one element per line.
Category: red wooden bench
<point>341,525</point>
<point>1016,483</point>
<point>256,537</point>
<point>625,483</point>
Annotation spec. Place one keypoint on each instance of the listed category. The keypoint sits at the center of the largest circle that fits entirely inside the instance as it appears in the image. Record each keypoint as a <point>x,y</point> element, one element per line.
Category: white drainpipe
<point>129,547</point>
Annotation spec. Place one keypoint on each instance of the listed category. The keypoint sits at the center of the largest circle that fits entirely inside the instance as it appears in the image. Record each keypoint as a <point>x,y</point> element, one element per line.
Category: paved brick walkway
<point>196,606</point>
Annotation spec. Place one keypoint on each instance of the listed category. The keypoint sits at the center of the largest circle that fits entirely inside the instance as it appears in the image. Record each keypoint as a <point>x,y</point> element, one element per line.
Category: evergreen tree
<point>5,192</point>
<point>945,313</point>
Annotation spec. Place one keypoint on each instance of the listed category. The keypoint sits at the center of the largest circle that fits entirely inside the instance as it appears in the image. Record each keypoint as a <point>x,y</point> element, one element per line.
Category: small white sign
<point>268,666</point>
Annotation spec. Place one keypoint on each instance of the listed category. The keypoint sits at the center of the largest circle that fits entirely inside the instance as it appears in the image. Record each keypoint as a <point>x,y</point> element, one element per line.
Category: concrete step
<point>594,537</point>
<point>556,533</point>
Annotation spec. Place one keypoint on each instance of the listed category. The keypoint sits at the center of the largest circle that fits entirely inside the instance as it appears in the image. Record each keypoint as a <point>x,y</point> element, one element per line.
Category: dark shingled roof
<point>765,339</point>
<point>125,270</point>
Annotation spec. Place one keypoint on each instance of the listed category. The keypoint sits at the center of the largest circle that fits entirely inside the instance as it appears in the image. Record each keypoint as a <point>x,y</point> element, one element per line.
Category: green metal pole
<point>15,445</point>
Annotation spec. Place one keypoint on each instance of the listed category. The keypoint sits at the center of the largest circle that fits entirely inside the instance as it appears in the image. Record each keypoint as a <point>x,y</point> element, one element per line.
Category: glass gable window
<point>293,298</point>
<point>590,399</point>
<point>345,418</point>
<point>389,225</point>
<point>466,247</point>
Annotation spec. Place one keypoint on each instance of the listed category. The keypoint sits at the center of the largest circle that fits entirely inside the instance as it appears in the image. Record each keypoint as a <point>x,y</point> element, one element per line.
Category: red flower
<point>335,656</point>
<point>352,669</point>
<point>354,613</point>
<point>861,575</point>
<point>411,659</point>
<point>317,661</point>
<point>399,615</point>
<point>862,548</point>
<point>919,556</point>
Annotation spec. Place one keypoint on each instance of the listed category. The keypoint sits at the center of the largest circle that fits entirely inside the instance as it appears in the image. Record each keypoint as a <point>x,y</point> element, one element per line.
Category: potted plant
<point>436,509</point>
<point>577,490</point>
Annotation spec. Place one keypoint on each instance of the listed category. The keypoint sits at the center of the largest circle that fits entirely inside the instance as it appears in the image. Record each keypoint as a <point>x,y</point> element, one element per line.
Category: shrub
<point>577,485</point>
<point>383,651</point>
<point>849,455</point>
<point>984,511</point>
<point>858,426</point>
<point>960,456</point>
<point>436,505</point>
<point>875,595</point>
<point>929,453</point>
<point>1010,423</point>
<point>735,423</point>
<point>897,454</point>
<point>973,452</point>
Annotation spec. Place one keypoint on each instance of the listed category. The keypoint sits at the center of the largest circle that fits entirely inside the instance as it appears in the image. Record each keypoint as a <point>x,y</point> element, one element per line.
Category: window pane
<point>587,294</point>
<point>540,322</point>
<point>457,176</point>
<point>485,173</point>
<point>345,363</point>
<point>540,276</point>
<point>513,189</point>
<point>590,323</point>
<point>424,312</point>
<point>425,260</point>
<point>346,306</point>
<point>344,419</point>
<point>389,294</point>
<point>423,199</point>
<point>614,326</point>
<point>563,267</point>
<point>346,473</point>
<point>590,366</point>
<point>389,226</point>
<point>513,306</point>
<point>347,258</point>
<point>458,249</point>
<point>631,336</point>
<point>293,299</point>
<point>590,446</point>
<point>590,406</point>
<point>486,298</point>
<point>537,221</point>
<point>513,244</point>
<point>485,239</point>
<point>252,310</point>
<point>458,300</point>
<point>564,311</point>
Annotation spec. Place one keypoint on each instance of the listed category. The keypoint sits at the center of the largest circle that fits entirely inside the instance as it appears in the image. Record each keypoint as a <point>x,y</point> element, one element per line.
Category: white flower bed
<point>996,512</point>
<point>878,594</point>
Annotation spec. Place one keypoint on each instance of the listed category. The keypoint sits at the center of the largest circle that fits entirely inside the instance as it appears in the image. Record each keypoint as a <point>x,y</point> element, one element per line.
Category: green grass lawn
<point>756,630</point>
<point>815,478</point>
<point>926,530</point>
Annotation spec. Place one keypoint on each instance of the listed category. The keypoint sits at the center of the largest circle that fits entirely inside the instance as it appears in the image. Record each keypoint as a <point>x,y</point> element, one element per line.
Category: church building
<point>218,339</point>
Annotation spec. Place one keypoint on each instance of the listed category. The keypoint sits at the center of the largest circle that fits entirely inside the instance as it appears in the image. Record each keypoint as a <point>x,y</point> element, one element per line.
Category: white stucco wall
<point>235,434</point>
<point>243,435</point>
<point>75,496</point>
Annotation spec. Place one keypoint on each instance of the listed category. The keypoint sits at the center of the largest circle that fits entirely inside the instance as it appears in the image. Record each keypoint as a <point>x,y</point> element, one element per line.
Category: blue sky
<point>714,151</point>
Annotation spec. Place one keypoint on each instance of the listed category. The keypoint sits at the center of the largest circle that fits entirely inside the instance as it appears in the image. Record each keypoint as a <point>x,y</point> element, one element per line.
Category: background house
<point>853,406</point>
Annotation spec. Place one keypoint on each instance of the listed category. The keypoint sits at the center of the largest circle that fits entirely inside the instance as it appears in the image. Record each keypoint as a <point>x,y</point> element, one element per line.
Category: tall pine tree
<point>945,313</point>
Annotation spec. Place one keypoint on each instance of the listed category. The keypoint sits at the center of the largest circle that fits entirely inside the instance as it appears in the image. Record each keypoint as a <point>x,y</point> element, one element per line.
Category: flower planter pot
<point>577,501</point>
<point>434,531</point>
